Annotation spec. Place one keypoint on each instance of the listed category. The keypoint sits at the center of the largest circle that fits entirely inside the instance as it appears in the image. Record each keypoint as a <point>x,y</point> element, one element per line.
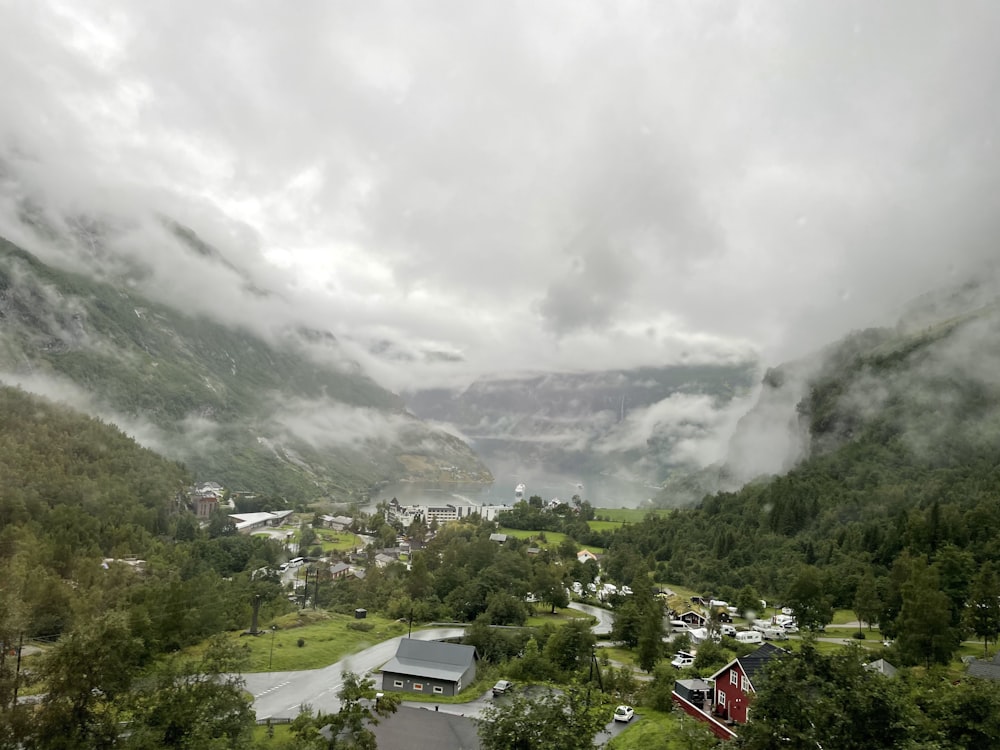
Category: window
<point>397,683</point>
<point>438,689</point>
<point>746,684</point>
<point>722,698</point>
<point>734,678</point>
<point>418,686</point>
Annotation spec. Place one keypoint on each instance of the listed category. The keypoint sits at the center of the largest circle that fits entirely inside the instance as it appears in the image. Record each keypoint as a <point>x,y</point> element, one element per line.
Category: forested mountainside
<point>235,408</point>
<point>623,422</point>
<point>75,491</point>
<point>901,481</point>
<point>99,553</point>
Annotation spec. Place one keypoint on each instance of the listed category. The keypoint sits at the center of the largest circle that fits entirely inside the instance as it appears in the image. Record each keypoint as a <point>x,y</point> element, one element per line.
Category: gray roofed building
<point>340,570</point>
<point>426,729</point>
<point>987,669</point>
<point>431,667</point>
<point>882,667</point>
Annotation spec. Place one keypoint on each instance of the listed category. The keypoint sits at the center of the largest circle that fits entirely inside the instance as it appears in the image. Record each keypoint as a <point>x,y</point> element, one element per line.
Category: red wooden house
<point>734,683</point>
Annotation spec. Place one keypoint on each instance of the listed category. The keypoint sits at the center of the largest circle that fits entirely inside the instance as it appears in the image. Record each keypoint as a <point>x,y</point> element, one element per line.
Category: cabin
<point>693,619</point>
<point>734,683</point>
<point>430,667</point>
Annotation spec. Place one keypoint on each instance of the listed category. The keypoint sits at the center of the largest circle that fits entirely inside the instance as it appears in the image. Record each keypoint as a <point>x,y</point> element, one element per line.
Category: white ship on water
<point>519,491</point>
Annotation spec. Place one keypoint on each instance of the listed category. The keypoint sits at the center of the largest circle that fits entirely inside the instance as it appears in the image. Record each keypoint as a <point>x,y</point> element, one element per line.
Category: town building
<point>430,667</point>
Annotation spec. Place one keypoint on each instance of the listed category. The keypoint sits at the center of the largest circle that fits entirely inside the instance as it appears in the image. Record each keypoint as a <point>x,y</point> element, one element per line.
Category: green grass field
<point>332,541</point>
<point>542,616</point>
<point>627,515</point>
<point>327,639</point>
<point>653,730</point>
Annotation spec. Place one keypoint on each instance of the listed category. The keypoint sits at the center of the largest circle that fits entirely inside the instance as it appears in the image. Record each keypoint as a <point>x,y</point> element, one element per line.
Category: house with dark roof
<point>986,669</point>
<point>693,619</point>
<point>734,683</point>
<point>419,728</point>
<point>431,667</point>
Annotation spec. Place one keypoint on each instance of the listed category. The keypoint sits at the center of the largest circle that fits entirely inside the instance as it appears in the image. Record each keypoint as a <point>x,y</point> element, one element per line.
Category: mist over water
<point>600,490</point>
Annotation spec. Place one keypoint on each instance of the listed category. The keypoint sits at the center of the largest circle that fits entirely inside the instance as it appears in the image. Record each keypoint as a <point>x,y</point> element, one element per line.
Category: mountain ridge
<point>231,405</point>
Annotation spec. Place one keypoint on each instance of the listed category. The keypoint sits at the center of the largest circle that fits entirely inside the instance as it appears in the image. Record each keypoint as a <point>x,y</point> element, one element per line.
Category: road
<point>282,694</point>
<point>605,617</point>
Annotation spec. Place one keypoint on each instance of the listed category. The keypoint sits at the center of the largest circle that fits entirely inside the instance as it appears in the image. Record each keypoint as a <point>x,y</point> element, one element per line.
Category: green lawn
<point>628,515</point>
<point>542,616</point>
<point>543,539</point>
<point>653,730</point>
<point>605,525</point>
<point>332,541</point>
<point>327,639</point>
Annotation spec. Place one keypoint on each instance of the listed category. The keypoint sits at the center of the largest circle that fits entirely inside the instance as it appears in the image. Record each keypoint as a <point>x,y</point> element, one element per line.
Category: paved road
<point>605,617</point>
<point>282,694</point>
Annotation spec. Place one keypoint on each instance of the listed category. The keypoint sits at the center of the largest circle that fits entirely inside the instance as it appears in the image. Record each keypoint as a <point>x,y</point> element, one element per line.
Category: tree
<point>747,600</point>
<point>627,623</point>
<point>924,632</point>
<point>556,720</point>
<point>548,585</point>
<point>807,599</point>
<point>350,727</point>
<point>570,646</point>
<point>983,614</point>
<point>650,646</point>
<point>86,674</point>
<point>809,700</point>
<point>867,604</point>
<point>195,705</point>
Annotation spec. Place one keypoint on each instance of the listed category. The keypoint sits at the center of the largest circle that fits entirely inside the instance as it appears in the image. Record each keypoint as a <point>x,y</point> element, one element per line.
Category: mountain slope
<point>252,414</point>
<point>633,423</point>
<point>896,431</point>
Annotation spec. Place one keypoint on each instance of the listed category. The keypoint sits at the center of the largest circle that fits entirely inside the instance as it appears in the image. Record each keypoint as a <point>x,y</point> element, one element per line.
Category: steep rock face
<point>252,413</point>
<point>626,422</point>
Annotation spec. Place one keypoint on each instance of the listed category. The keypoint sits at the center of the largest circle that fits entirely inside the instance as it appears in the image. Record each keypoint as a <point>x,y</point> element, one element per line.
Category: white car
<point>624,713</point>
<point>682,660</point>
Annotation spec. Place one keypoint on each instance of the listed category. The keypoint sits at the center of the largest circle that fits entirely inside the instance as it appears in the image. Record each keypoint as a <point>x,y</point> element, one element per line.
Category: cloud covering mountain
<point>574,185</point>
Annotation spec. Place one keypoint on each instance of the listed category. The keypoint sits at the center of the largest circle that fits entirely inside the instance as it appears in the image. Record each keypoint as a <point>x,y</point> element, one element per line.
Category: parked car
<point>503,686</point>
<point>624,713</point>
<point>682,660</point>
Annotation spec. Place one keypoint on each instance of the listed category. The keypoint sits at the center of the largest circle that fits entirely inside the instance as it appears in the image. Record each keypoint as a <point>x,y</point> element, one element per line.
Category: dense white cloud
<point>520,185</point>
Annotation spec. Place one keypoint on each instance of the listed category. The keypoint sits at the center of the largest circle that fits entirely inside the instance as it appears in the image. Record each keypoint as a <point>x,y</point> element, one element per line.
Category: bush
<point>860,635</point>
<point>364,627</point>
<point>301,642</point>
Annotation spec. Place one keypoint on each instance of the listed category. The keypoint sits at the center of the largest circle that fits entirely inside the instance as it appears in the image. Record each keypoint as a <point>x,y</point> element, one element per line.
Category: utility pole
<point>270,658</point>
<point>17,671</point>
<point>256,609</point>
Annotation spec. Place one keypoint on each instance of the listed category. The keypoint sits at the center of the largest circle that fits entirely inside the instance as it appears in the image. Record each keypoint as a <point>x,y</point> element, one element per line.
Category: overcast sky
<point>527,185</point>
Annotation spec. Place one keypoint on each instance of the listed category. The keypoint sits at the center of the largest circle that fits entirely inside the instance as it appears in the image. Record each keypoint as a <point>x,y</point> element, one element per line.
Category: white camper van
<point>750,636</point>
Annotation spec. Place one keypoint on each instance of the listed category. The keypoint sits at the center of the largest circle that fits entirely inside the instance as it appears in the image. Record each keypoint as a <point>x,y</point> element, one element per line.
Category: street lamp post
<point>270,658</point>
